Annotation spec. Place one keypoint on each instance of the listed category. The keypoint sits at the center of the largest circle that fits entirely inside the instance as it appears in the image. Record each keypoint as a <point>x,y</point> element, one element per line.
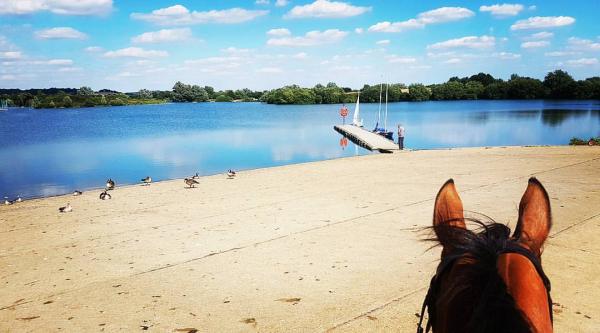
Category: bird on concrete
<point>230,174</point>
<point>190,182</point>
<point>76,193</point>
<point>146,180</point>
<point>104,195</point>
<point>110,184</point>
<point>66,208</point>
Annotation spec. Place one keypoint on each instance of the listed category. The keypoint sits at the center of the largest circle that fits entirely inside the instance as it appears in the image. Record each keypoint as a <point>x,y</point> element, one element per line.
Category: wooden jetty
<point>366,139</point>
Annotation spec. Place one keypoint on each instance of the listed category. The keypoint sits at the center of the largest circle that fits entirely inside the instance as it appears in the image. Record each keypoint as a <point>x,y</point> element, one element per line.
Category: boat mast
<point>379,111</point>
<point>387,85</point>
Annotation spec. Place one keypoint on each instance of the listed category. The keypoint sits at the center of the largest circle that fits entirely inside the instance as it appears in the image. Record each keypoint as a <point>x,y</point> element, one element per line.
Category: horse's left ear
<point>535,217</point>
<point>447,213</point>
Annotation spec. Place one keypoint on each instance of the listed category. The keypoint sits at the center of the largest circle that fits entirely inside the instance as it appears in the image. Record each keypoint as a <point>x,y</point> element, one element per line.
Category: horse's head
<point>487,280</point>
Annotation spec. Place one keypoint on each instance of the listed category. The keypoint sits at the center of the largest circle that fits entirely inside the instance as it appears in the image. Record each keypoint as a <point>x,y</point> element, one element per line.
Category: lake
<point>48,152</point>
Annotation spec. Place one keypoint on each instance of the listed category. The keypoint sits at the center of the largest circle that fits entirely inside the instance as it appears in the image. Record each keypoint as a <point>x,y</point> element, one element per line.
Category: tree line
<point>556,85</point>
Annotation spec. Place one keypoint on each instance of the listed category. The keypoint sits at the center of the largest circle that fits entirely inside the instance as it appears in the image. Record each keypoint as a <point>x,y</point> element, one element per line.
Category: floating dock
<point>365,138</point>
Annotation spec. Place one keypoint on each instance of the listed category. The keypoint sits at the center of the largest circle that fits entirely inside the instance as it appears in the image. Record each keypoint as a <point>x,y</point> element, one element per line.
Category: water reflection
<point>49,152</point>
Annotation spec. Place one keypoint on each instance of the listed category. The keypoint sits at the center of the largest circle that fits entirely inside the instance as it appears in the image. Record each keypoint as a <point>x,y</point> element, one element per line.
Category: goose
<point>147,180</point>
<point>110,184</point>
<point>66,208</point>
<point>76,193</point>
<point>230,174</point>
<point>6,202</point>
<point>104,195</point>
<point>190,182</point>
<point>196,176</point>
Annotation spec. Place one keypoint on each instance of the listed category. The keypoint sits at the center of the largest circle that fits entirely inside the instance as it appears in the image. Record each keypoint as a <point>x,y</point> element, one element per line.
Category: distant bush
<point>223,98</point>
<point>580,142</point>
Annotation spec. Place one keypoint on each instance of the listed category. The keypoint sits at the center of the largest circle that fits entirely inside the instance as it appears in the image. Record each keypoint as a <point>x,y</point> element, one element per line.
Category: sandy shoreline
<point>320,246</point>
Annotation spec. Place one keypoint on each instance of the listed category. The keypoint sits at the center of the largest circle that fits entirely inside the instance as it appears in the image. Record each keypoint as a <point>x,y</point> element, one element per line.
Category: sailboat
<point>383,131</point>
<point>356,120</point>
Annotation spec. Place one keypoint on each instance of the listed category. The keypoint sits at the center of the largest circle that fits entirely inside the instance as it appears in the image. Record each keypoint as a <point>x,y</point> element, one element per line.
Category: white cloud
<point>453,61</point>
<point>179,15</point>
<point>62,7</point>
<point>387,26</point>
<point>300,55</point>
<point>60,33</point>
<point>164,35</point>
<point>359,30</point>
<point>279,32</point>
<point>532,7</point>
<point>61,62</point>
<point>261,2</point>
<point>503,10</point>
<point>583,44</point>
<point>326,9</point>
<point>582,62</point>
<point>94,49</point>
<point>135,52</point>
<point>281,3</point>
<point>506,56</point>
<point>311,38</point>
<point>439,15</point>
<point>535,44</point>
<point>472,42</point>
<point>560,53</point>
<point>395,59</point>
<point>542,22</point>
<point>541,35</point>
<point>445,14</point>
<point>11,55</point>
<point>383,42</point>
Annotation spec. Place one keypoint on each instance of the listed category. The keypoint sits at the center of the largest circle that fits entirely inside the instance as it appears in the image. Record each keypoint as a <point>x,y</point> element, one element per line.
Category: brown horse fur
<point>488,285</point>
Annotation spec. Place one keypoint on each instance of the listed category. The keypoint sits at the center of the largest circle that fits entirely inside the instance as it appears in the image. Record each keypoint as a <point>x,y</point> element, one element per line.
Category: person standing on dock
<point>400,137</point>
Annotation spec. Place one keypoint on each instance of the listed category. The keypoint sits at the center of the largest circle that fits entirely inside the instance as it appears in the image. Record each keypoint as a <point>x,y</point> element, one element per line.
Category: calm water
<point>49,152</point>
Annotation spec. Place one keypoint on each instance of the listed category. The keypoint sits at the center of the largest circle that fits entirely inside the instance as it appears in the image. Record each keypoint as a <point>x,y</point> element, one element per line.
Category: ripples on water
<point>50,152</point>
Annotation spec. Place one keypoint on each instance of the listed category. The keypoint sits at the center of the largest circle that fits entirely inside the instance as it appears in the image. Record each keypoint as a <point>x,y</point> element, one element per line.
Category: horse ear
<point>447,212</point>
<point>535,217</point>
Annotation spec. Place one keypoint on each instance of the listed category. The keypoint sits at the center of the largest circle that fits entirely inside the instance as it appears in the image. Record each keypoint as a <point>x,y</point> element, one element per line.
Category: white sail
<point>356,121</point>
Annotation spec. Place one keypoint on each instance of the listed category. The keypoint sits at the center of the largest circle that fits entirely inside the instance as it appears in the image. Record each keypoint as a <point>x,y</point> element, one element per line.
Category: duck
<point>230,174</point>
<point>104,195</point>
<point>110,184</point>
<point>146,180</point>
<point>190,182</point>
<point>6,202</point>
<point>66,208</point>
<point>76,193</point>
<point>196,176</point>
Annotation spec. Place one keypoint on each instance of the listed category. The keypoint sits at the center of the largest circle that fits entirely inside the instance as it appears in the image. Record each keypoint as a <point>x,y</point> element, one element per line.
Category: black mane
<point>486,304</point>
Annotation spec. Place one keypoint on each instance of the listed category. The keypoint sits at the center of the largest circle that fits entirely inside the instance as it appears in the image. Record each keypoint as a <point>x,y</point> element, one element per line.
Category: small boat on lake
<point>3,105</point>
<point>383,130</point>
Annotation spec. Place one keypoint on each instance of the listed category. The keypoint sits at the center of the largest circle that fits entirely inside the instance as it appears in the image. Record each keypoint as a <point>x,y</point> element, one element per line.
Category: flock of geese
<point>191,182</point>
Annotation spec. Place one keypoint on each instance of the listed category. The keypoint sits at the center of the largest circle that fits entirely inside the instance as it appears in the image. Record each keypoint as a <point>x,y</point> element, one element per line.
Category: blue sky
<point>262,44</point>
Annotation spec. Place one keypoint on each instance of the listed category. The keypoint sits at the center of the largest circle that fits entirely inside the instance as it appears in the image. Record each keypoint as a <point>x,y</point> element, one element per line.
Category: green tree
<point>67,102</point>
<point>560,85</point>
<point>144,93</point>
<point>473,90</point>
<point>223,98</point>
<point>85,91</point>
<point>418,92</point>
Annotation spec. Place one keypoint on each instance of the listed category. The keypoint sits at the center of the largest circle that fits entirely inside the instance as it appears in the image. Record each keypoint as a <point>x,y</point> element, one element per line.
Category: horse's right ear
<point>535,217</point>
<point>447,213</point>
